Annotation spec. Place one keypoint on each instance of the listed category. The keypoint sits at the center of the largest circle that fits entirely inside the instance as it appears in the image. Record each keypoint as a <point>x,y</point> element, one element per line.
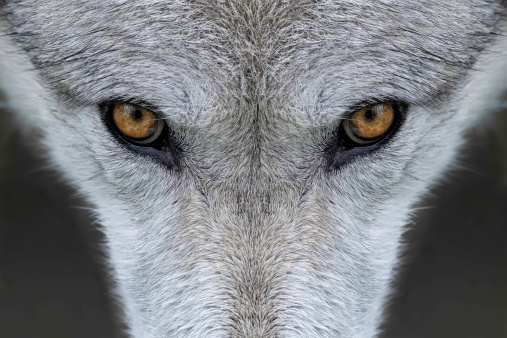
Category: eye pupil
<point>138,114</point>
<point>370,114</point>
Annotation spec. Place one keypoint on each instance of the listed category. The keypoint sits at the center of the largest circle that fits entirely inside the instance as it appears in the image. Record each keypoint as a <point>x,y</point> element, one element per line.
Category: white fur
<point>253,236</point>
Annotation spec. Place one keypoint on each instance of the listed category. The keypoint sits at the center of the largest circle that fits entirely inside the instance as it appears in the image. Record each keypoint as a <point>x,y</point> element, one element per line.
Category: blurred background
<point>453,282</point>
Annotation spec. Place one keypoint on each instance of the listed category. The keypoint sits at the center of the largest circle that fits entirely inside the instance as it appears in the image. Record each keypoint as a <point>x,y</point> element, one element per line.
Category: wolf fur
<point>253,236</point>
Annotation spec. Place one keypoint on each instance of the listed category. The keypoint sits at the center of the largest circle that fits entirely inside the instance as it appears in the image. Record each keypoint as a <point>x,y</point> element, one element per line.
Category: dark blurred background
<point>453,282</point>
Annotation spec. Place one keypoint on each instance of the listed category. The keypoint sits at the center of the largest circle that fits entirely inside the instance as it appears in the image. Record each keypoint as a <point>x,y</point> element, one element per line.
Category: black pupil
<point>138,114</point>
<point>370,114</point>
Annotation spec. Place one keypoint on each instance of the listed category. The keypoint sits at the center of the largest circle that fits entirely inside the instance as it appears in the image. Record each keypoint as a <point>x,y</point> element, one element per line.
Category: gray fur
<point>253,237</point>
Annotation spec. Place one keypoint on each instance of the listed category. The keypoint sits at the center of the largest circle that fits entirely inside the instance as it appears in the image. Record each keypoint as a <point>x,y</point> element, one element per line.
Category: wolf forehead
<point>332,53</point>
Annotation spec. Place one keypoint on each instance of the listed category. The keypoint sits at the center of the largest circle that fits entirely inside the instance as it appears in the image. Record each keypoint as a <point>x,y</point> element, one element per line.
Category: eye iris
<point>137,124</point>
<point>370,124</point>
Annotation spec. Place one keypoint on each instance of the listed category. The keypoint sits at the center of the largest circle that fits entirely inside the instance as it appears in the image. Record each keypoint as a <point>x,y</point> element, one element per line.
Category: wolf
<point>253,164</point>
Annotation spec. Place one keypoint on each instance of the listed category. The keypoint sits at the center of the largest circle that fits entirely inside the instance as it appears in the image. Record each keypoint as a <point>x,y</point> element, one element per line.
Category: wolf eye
<point>364,131</point>
<point>142,131</point>
<point>369,125</point>
<point>137,125</point>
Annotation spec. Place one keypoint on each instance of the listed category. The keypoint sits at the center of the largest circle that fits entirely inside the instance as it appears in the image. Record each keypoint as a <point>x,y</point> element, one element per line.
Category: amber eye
<point>137,125</point>
<point>369,125</point>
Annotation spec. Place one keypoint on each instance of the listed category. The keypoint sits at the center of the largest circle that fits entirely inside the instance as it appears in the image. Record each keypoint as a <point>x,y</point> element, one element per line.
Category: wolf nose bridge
<point>253,211</point>
<point>255,222</point>
<point>259,164</point>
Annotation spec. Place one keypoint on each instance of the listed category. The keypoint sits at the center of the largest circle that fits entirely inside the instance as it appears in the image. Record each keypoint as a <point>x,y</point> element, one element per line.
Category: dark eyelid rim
<point>164,150</point>
<point>342,150</point>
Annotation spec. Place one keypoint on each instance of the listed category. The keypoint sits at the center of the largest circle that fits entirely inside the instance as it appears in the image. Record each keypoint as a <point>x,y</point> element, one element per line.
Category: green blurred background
<point>53,282</point>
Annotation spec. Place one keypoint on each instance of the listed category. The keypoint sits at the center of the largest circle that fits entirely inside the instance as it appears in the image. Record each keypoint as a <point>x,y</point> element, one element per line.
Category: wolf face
<point>271,151</point>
